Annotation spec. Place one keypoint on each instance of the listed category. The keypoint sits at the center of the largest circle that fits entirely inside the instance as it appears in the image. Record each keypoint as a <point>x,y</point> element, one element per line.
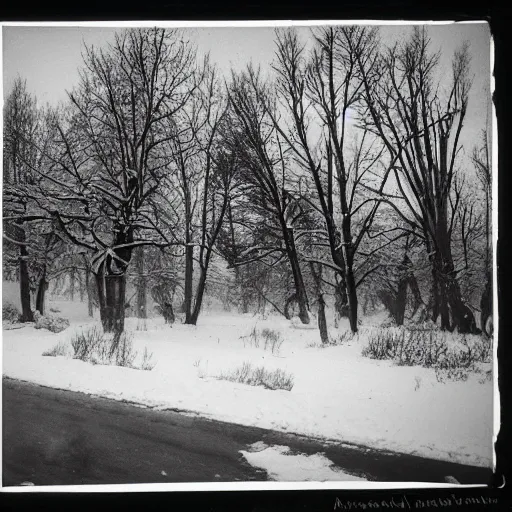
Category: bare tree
<point>26,137</point>
<point>324,89</point>
<point>482,161</point>
<point>107,157</point>
<point>421,131</point>
<point>267,181</point>
<point>200,182</point>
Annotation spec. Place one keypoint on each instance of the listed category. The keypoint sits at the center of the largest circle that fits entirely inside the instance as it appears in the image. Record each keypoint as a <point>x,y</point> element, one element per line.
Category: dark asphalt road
<point>53,437</point>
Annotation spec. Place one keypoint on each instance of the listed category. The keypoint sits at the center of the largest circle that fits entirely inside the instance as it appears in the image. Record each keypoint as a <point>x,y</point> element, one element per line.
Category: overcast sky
<point>48,57</point>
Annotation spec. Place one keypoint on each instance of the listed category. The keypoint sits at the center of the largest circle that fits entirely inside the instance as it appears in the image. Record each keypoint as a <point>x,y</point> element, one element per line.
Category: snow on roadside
<point>284,466</point>
<point>337,393</point>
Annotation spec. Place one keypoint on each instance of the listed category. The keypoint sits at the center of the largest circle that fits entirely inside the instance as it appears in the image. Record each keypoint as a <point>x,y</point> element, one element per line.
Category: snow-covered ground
<point>337,393</point>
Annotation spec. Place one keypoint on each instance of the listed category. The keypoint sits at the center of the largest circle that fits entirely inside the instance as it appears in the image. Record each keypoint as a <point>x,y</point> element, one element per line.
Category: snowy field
<point>337,394</point>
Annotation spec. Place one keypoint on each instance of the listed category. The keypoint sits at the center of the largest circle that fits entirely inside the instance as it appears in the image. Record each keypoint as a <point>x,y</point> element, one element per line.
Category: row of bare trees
<point>337,173</point>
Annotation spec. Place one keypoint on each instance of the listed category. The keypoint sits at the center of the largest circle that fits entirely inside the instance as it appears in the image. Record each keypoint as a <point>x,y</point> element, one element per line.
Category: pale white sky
<point>48,57</point>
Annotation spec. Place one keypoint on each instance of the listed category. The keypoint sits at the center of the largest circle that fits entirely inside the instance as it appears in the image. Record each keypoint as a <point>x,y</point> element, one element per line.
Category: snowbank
<point>337,393</point>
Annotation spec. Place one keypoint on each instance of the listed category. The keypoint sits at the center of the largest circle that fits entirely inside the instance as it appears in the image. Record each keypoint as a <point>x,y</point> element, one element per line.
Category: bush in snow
<point>342,338</point>
<point>51,323</point>
<point>10,313</point>
<point>429,348</point>
<point>146,363</point>
<point>60,349</point>
<point>457,364</point>
<point>406,347</point>
<point>270,339</point>
<point>121,349</point>
<point>86,343</point>
<point>109,349</point>
<point>246,374</point>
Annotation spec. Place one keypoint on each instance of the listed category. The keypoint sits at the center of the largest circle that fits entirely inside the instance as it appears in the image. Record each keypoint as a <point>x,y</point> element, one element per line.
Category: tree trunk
<point>289,301</point>
<point>41,293</point>
<point>352,299</point>
<point>300,289</point>
<point>26,311</point>
<point>322,321</point>
<point>88,285</point>
<point>439,302</point>
<point>201,285</point>
<point>401,301</point>
<point>72,284</point>
<point>189,272</point>
<point>416,293</point>
<point>115,302</point>
<point>111,295</point>
<point>141,285</point>
<point>449,290</point>
<point>340,301</point>
<point>486,304</point>
<point>100,286</point>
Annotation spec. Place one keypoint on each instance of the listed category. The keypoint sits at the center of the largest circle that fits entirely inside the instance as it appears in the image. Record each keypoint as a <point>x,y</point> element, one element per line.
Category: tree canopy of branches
<point>339,174</point>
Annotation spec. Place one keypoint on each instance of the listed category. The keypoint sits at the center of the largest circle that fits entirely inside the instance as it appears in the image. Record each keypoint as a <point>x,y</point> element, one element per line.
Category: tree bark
<point>322,321</point>
<point>416,293</point>
<point>300,289</point>
<point>114,302</point>
<point>88,285</point>
<point>111,295</point>
<point>189,273</point>
<point>486,304</point>
<point>287,305</point>
<point>201,285</point>
<point>462,317</point>
<point>72,284</point>
<point>81,286</point>
<point>352,299</point>
<point>141,285</point>
<point>26,311</point>
<point>100,285</point>
<point>41,293</point>
<point>340,301</point>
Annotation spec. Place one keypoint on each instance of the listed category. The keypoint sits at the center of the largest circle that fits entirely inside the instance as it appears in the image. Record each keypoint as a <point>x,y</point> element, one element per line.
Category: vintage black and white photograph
<point>254,254</point>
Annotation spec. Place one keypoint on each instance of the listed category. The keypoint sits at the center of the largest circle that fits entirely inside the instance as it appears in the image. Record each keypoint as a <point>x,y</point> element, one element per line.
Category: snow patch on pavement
<point>284,466</point>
